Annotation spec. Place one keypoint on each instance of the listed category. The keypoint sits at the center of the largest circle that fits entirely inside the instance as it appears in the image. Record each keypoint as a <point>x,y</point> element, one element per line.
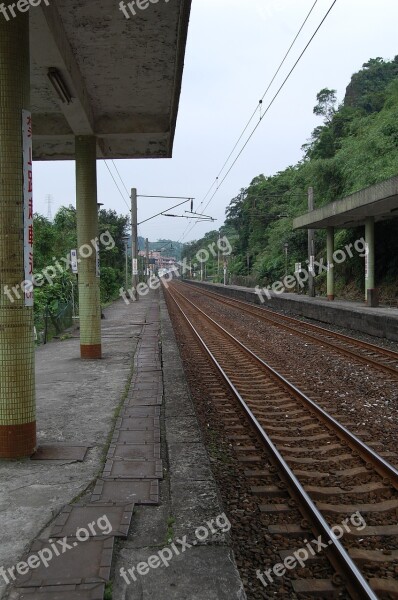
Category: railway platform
<point>120,449</point>
<point>379,322</point>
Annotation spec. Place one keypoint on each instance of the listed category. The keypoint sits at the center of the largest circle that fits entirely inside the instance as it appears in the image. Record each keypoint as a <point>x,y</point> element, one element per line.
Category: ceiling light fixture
<point>59,85</point>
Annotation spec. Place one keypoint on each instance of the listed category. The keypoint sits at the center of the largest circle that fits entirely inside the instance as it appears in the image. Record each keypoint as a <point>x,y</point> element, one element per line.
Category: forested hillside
<point>355,145</point>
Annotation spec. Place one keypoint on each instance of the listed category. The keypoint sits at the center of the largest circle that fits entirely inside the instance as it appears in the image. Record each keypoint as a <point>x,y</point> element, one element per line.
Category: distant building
<point>157,261</point>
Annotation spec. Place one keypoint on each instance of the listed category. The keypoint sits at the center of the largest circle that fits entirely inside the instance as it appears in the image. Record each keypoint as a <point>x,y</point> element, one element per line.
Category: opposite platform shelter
<point>376,203</point>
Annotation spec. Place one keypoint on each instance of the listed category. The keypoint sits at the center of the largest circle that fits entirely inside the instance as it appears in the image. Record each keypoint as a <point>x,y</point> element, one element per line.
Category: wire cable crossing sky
<point>221,83</point>
<point>220,183</point>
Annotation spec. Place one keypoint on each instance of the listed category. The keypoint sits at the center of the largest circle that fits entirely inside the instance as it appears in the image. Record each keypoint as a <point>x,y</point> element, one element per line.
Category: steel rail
<point>367,345</point>
<point>383,467</point>
<point>260,311</point>
<point>354,580</point>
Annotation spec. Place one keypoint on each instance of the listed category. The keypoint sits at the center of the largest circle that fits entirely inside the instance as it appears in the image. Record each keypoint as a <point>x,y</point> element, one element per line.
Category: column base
<point>330,297</point>
<point>91,351</point>
<point>17,441</point>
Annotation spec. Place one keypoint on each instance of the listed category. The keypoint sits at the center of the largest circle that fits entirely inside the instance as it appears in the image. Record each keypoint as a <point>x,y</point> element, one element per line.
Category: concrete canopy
<point>379,201</point>
<point>123,76</point>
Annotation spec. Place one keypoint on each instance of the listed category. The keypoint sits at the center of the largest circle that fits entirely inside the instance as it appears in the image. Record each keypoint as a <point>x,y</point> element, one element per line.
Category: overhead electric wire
<point>272,101</point>
<point>114,180</point>
<point>268,107</point>
<point>208,192</point>
<point>120,177</point>
<point>269,85</point>
<point>163,211</point>
<point>255,110</point>
<point>185,217</point>
<point>185,198</point>
<point>170,197</point>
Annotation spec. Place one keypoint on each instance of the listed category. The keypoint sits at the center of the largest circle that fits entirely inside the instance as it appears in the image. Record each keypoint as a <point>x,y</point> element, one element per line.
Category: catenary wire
<point>115,182</point>
<point>219,184</point>
<point>255,111</point>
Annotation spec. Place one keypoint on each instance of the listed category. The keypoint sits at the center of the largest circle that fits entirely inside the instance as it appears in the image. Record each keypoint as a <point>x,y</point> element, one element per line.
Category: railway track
<point>329,473</point>
<point>364,352</point>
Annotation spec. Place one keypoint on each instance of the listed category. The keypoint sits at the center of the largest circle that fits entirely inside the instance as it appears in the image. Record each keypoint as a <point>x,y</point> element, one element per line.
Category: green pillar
<point>17,380</point>
<point>330,252</point>
<point>370,257</point>
<point>87,233</point>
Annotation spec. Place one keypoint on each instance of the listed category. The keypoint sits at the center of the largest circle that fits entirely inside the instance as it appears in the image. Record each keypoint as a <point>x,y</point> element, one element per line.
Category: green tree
<point>44,241</point>
<point>54,241</point>
<point>112,260</point>
<point>326,106</point>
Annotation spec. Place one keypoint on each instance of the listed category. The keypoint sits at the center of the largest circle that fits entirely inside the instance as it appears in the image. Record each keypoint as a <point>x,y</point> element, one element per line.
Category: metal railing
<point>50,324</point>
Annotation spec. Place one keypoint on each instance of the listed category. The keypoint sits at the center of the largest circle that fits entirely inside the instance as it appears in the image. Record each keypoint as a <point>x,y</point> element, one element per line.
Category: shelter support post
<point>330,252</point>
<point>88,247</point>
<point>311,247</point>
<point>370,255</point>
<point>17,376</point>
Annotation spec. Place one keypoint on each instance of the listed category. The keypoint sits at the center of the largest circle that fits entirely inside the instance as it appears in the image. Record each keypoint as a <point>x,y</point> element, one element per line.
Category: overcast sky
<point>234,48</point>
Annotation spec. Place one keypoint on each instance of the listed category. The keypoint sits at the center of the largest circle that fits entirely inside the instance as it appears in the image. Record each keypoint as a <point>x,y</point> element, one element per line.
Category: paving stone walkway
<point>114,463</point>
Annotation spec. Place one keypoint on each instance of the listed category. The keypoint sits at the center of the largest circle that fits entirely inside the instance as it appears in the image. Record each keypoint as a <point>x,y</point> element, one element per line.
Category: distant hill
<point>168,247</point>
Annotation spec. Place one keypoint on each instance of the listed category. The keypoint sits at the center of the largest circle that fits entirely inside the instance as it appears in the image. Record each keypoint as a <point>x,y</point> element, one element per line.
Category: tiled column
<point>17,382</point>
<point>370,255</point>
<point>87,232</point>
<point>330,252</point>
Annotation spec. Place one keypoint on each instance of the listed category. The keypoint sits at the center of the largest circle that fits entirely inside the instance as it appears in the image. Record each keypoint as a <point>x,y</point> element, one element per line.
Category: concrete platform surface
<point>380,322</point>
<point>78,403</point>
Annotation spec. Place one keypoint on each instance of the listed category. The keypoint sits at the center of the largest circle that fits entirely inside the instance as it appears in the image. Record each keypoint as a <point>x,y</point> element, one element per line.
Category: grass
<point>65,336</point>
<point>170,531</point>
<point>108,591</point>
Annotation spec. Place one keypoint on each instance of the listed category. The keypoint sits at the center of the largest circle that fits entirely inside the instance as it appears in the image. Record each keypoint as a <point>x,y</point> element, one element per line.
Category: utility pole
<point>134,243</point>
<point>146,257</point>
<point>286,247</point>
<point>311,247</point>
<point>127,267</point>
<point>49,200</point>
<point>218,258</point>
<point>126,240</point>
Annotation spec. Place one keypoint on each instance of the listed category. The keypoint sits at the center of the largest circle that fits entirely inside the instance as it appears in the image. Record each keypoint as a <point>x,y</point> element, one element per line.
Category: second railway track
<point>331,472</point>
<point>381,358</point>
